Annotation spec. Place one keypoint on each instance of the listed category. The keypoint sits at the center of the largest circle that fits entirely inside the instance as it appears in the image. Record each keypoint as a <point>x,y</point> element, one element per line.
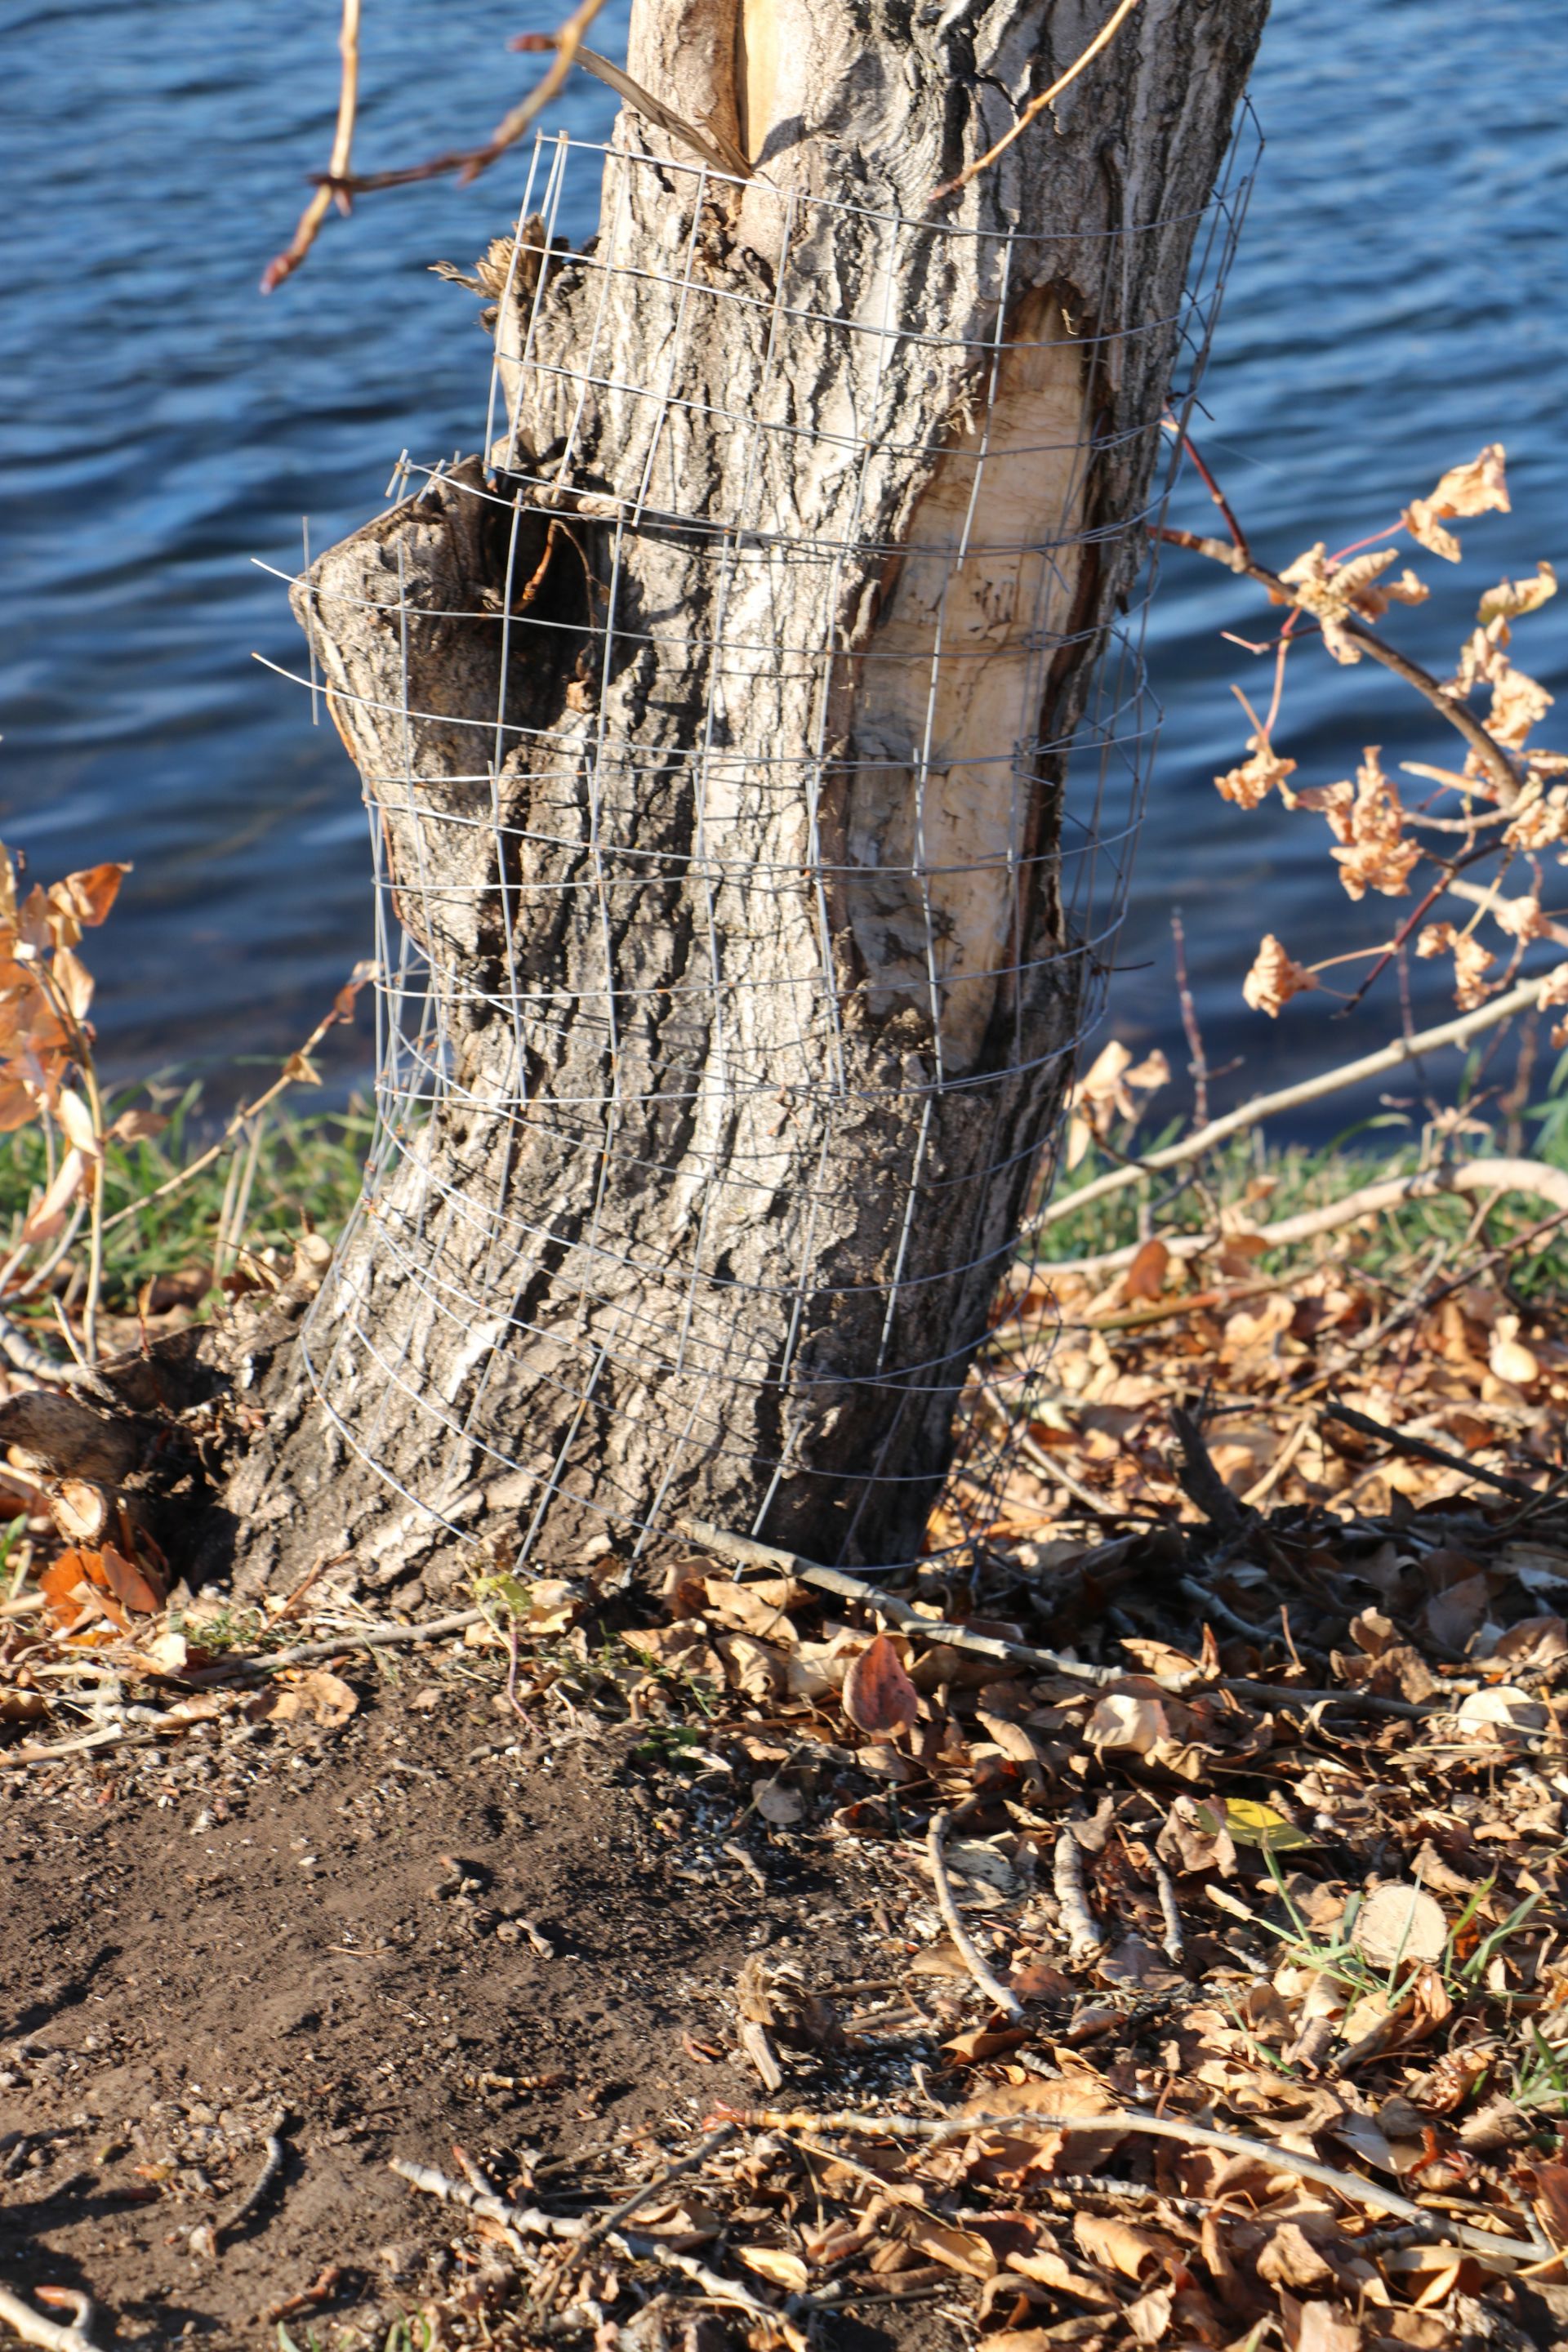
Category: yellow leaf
<point>1250,1823</point>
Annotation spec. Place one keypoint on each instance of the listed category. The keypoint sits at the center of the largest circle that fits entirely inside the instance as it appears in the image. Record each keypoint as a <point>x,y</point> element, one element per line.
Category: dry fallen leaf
<point>879,1697</point>
<point>1504,1709</point>
<point>1145,1277</point>
<point>316,1696</point>
<point>779,2267</point>
<point>1399,1923</point>
<point>1116,2244</point>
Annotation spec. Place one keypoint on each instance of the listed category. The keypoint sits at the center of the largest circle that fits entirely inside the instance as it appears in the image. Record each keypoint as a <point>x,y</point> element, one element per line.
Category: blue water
<point>1401,297</point>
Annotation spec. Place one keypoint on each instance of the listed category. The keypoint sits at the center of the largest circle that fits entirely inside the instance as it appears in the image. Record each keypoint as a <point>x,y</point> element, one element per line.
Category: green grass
<point>1300,1178</point>
<point>303,1172</point>
<point>305,1177</point>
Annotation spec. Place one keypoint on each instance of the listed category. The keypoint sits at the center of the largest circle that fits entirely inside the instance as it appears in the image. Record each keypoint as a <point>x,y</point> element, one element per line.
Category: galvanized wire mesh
<point>690,1326</point>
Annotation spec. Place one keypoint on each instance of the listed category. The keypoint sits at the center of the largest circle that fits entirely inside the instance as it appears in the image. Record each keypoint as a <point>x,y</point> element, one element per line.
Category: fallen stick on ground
<point>527,2217</point>
<point>272,2165</point>
<point>635,2244</point>
<point>1348,2185</point>
<point>717,2289</point>
<point>1424,1450</point>
<point>1174,1940</point>
<point>1086,1937</point>
<point>310,2298</point>
<point>1219,1612</point>
<point>1393,1056</point>
<point>374,1637</point>
<point>619,2213</point>
<point>991,1986</point>
<point>1531,1176</point>
<point>58,2336</point>
<point>117,1735</point>
<point>52,1371</point>
<point>747,1553</point>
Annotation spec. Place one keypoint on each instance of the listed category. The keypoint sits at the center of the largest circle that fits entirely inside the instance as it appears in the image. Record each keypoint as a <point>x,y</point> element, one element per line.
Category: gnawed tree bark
<point>745,1040</point>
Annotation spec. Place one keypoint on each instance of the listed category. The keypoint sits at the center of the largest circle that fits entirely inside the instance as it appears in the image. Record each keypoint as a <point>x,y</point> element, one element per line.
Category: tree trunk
<point>714,730</point>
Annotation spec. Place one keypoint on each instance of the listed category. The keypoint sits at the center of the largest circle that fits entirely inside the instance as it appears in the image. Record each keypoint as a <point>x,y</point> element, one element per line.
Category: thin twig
<point>272,2165</point>
<point>284,264</point>
<point>747,1553</point>
<point>1174,1939</point>
<point>1200,1480</point>
<point>633,2243</point>
<point>996,1991</point>
<point>1219,1613</point>
<point>482,2202</point>
<point>373,1637</point>
<point>1197,1064</point>
<point>33,2328</point>
<point>1422,1450</point>
<point>1037,105</point>
<point>18,1350</point>
<point>1393,1056</point>
<point>470,162</point>
<point>1284,1460</point>
<point>1493,1177</point>
<point>1487,750</point>
<point>719,2290</point>
<point>1348,2185</point>
<point>1238,538</point>
<point>650,2189</point>
<point>295,1070</point>
<point>1099,1506</point>
<point>1086,1937</point>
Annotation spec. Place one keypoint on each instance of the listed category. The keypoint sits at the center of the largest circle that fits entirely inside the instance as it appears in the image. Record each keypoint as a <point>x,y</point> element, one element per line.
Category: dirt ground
<point>398,1937</point>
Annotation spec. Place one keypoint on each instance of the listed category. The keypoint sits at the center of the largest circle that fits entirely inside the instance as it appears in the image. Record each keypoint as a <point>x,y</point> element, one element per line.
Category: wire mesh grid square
<point>851,826</point>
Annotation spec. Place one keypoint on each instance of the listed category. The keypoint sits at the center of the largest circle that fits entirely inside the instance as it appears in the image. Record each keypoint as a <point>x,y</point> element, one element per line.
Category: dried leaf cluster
<point>1503,808</point>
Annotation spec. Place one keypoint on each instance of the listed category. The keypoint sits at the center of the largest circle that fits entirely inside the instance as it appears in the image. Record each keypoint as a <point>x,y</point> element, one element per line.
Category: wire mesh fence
<point>729,988</point>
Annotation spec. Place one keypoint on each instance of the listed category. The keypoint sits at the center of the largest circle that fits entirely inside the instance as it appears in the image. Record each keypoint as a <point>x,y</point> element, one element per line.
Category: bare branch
<point>1493,758</point>
<point>1037,105</point>
<point>990,1985</point>
<point>467,163</point>
<point>1493,1176</point>
<point>284,264</point>
<point>1351,2186</point>
<point>1393,1056</point>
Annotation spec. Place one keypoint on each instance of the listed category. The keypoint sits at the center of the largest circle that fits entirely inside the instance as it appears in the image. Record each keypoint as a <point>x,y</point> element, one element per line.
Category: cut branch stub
<point>64,1435</point>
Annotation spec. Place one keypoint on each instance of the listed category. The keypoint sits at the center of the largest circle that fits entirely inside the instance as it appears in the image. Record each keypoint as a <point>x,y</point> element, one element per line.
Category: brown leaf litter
<point>1181,1963</point>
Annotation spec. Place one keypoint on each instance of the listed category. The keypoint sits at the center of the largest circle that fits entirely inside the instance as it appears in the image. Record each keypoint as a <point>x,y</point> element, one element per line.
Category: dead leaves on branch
<point>1274,978</point>
<point>44,993</point>
<point>1478,487</point>
<point>1114,1087</point>
<point>1378,844</point>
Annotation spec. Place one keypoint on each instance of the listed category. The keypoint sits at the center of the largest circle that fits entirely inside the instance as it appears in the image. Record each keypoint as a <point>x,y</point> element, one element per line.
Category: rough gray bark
<point>774,945</point>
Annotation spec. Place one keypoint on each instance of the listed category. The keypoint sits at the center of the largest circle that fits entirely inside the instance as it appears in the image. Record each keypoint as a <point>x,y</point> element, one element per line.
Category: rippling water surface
<point>1401,297</point>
